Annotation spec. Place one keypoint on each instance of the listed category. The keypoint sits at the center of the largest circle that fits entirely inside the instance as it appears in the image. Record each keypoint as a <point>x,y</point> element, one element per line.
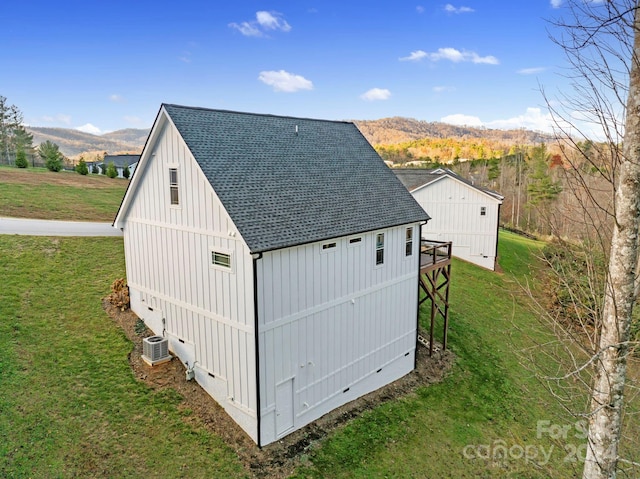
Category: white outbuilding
<point>463,213</point>
<point>279,256</point>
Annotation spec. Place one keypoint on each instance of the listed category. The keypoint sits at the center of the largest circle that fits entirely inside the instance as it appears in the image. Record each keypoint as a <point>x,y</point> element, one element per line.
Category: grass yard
<point>71,407</point>
<point>41,194</point>
<point>69,403</point>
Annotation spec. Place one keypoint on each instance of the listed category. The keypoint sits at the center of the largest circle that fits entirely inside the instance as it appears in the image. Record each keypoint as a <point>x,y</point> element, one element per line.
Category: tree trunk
<point>607,400</point>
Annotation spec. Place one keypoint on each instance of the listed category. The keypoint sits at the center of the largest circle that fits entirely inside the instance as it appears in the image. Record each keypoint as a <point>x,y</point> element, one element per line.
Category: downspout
<point>495,258</point>
<point>256,257</point>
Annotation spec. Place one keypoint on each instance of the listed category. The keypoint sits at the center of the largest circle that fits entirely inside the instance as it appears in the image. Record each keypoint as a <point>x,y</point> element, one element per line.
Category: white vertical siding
<point>454,208</point>
<point>331,319</point>
<point>208,311</point>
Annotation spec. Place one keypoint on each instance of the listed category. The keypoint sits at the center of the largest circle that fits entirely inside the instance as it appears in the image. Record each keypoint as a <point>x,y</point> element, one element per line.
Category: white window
<point>408,249</point>
<point>173,186</point>
<point>221,259</point>
<point>328,246</point>
<point>380,248</point>
<point>356,240</point>
<point>483,211</point>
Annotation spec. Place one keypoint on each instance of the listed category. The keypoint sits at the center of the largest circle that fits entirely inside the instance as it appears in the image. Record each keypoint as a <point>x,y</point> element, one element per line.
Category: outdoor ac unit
<point>155,349</point>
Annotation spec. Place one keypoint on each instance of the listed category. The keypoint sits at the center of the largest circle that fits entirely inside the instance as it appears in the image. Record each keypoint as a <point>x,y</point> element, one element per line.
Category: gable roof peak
<point>286,181</point>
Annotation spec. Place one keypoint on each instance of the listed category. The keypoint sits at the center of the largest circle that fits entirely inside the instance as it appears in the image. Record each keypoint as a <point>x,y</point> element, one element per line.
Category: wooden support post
<point>435,275</point>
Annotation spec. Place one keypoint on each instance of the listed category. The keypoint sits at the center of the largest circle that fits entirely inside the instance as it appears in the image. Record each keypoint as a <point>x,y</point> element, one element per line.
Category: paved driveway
<point>19,226</point>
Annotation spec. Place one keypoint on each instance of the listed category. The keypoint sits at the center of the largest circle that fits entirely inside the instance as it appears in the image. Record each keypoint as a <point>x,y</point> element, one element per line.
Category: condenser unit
<point>155,350</point>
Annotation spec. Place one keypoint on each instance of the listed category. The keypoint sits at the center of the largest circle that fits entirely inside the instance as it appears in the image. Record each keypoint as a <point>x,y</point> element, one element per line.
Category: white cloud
<point>460,119</point>
<point>451,9</point>
<point>532,119</point>
<point>414,56</point>
<point>272,21</point>
<point>531,71</point>
<point>89,128</point>
<point>556,3</point>
<point>59,118</point>
<point>453,55</point>
<point>247,29</point>
<point>285,81</point>
<point>265,21</point>
<point>420,9</point>
<point>376,94</point>
<point>442,89</point>
<point>116,98</point>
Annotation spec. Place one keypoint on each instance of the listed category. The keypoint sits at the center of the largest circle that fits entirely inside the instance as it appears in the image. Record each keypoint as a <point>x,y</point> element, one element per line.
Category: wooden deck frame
<point>434,280</point>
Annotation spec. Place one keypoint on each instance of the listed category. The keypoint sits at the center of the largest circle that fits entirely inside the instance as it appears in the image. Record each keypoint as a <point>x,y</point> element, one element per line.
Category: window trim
<point>354,241</point>
<point>220,266</point>
<point>174,186</point>
<point>408,242</point>
<point>379,248</point>
<point>329,247</point>
<point>483,211</point>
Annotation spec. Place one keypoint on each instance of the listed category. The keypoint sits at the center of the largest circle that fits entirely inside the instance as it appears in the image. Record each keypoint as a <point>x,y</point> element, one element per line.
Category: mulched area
<point>279,459</point>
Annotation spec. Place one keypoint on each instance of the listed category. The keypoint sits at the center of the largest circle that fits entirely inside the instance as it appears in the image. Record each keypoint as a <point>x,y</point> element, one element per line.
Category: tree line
<point>16,148</point>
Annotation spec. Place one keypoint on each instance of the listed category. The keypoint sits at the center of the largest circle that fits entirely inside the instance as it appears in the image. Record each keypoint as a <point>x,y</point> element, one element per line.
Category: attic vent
<point>155,350</point>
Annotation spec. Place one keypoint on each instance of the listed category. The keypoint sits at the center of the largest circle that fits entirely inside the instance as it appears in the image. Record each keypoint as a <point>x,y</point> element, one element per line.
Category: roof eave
<point>158,123</point>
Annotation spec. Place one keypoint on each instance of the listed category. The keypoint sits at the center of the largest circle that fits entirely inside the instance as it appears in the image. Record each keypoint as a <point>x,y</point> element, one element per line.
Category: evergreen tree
<point>23,140</point>
<point>111,170</point>
<point>126,173</point>
<point>10,120</point>
<point>81,167</point>
<point>50,154</point>
<point>21,159</point>
<point>542,187</point>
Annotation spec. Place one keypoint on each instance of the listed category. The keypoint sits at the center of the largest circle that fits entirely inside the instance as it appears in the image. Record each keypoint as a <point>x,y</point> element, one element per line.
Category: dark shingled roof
<point>288,181</point>
<point>120,161</point>
<point>413,178</point>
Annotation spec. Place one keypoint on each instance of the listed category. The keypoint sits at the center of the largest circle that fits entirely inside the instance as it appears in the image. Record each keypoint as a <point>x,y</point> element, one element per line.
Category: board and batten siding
<point>206,311</point>
<point>333,325</point>
<point>455,210</point>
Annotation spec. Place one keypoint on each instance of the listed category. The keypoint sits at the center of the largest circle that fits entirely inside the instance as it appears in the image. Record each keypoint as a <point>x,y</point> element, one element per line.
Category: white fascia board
<point>159,122</point>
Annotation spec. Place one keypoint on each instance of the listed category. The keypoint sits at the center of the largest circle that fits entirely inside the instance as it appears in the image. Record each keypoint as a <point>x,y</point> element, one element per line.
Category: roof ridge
<point>268,115</point>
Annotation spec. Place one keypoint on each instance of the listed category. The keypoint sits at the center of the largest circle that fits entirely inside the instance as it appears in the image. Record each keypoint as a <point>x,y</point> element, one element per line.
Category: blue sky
<point>103,66</point>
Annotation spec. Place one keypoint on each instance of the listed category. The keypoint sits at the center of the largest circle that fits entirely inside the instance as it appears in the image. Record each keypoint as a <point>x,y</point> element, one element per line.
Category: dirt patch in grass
<point>281,458</point>
<point>61,178</point>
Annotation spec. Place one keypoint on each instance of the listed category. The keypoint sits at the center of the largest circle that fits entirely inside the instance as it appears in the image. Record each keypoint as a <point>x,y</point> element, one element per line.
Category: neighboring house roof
<point>120,161</point>
<point>287,181</point>
<point>415,178</point>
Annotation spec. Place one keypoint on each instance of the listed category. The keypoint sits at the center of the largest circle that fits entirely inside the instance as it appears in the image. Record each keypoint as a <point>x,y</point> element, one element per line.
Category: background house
<point>119,161</point>
<point>280,258</point>
<point>463,213</point>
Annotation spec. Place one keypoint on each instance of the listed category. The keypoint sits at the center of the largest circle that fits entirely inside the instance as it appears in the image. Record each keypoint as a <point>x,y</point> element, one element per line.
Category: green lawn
<point>70,406</point>
<point>489,399</point>
<point>38,193</point>
<point>69,403</point>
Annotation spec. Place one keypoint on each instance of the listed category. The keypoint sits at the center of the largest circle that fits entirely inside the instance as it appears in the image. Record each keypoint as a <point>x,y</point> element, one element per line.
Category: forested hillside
<point>74,142</point>
<point>402,140</point>
<point>399,130</point>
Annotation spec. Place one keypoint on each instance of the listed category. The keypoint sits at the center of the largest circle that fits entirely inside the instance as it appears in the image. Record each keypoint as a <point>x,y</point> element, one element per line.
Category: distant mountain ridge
<point>378,132</point>
<point>399,129</point>
<point>73,142</point>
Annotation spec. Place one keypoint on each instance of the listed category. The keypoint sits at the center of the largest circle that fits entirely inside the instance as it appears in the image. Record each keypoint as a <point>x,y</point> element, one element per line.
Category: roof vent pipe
<point>296,130</point>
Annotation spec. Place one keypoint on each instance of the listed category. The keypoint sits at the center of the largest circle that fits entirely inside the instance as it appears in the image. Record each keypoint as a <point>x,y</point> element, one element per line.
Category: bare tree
<point>602,43</point>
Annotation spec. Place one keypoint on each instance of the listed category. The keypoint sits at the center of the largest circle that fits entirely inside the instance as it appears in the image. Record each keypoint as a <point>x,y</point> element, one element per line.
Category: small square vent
<point>155,350</point>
